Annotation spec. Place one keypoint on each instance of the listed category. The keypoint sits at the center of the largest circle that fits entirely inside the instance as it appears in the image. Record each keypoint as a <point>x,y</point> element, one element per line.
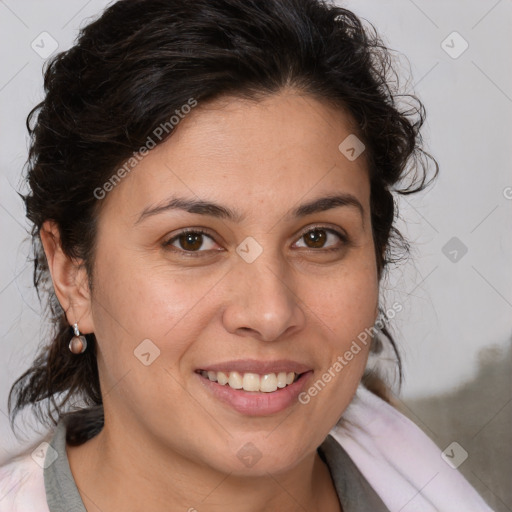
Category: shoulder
<point>402,464</point>
<point>22,482</point>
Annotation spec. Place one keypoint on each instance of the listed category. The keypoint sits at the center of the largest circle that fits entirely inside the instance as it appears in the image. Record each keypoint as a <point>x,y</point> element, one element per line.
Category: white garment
<point>22,484</point>
<point>399,461</point>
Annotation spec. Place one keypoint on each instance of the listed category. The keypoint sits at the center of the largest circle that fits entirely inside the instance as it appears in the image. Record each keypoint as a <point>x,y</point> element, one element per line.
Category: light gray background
<point>455,329</point>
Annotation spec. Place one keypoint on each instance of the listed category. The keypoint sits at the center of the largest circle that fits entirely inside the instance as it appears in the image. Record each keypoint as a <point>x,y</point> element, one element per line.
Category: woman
<point>210,190</point>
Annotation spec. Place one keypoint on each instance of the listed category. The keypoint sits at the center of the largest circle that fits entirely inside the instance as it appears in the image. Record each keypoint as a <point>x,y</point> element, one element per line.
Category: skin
<point>166,440</point>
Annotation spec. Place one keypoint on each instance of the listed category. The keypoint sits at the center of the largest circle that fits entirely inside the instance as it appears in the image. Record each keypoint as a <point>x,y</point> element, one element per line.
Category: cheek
<point>346,315</point>
<point>347,300</point>
<point>144,301</point>
<point>139,299</point>
<point>135,302</point>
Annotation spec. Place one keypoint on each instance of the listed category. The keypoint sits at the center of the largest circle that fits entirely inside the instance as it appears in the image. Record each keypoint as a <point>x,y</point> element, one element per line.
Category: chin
<point>261,457</point>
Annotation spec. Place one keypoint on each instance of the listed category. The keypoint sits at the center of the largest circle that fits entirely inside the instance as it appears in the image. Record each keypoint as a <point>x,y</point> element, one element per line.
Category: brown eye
<point>190,241</point>
<point>315,238</point>
<point>193,241</point>
<point>318,237</point>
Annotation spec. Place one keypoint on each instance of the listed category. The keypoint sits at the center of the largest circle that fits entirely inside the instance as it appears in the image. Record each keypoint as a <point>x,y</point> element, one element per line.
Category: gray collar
<point>354,492</point>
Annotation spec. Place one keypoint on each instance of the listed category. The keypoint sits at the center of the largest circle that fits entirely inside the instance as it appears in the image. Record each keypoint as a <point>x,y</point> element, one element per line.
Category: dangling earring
<point>78,343</point>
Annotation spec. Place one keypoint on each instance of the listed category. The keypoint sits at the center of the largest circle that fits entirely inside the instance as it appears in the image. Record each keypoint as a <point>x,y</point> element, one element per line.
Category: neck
<point>118,472</point>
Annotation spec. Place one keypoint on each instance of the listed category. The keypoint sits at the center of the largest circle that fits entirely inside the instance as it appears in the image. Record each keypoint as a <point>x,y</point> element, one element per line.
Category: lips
<point>253,387</point>
<point>257,366</point>
<point>269,399</point>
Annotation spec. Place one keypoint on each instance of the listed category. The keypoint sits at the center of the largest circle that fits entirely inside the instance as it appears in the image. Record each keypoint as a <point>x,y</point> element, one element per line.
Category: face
<point>258,286</point>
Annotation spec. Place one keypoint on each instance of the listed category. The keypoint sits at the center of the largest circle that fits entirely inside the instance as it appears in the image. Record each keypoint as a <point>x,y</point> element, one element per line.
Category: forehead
<point>256,156</point>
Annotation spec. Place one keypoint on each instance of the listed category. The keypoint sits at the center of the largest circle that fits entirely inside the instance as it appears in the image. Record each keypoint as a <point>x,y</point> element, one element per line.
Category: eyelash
<point>198,231</point>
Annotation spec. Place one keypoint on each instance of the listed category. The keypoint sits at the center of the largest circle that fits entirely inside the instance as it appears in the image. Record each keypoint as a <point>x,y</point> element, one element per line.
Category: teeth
<point>252,381</point>
<point>281,379</point>
<point>268,383</point>
<point>235,380</point>
<point>222,378</point>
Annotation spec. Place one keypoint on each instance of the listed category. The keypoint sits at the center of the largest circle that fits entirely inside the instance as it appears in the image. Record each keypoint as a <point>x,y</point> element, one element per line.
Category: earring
<point>78,343</point>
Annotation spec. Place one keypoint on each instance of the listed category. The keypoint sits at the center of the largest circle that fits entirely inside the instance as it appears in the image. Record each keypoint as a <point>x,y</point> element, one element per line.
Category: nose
<point>263,303</point>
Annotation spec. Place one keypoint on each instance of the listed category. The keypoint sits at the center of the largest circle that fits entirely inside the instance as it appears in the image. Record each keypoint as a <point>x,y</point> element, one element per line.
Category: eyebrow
<point>212,209</point>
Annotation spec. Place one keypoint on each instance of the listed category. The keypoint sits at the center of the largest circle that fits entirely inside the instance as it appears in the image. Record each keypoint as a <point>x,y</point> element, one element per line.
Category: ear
<point>69,277</point>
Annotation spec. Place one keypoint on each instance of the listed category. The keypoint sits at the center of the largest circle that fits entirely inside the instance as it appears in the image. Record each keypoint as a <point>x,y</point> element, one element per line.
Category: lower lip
<point>256,403</point>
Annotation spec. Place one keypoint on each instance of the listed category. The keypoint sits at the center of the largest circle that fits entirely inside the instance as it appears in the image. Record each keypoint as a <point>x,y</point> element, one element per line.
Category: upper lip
<point>259,367</point>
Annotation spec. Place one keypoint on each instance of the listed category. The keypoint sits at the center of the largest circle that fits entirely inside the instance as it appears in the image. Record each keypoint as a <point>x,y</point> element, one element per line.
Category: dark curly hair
<point>139,62</point>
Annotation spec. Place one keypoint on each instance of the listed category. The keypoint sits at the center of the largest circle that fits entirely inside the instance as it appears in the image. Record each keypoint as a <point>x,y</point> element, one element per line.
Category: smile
<point>253,389</point>
<point>267,383</point>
